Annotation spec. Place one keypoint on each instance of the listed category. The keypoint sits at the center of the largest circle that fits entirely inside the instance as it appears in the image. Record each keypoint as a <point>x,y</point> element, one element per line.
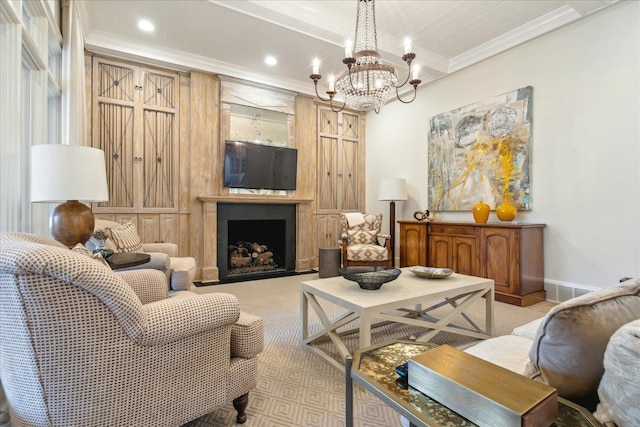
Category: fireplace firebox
<point>255,241</point>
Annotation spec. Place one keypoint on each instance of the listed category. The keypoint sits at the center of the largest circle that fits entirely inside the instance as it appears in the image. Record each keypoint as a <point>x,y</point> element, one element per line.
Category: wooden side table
<point>127,259</point>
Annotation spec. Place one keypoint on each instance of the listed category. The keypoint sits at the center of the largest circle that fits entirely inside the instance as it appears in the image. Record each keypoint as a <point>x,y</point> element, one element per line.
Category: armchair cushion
<point>125,238</point>
<point>568,350</point>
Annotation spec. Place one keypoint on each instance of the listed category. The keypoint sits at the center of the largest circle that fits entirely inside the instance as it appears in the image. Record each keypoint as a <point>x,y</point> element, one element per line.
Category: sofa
<point>82,345</point>
<point>588,348</point>
<point>164,255</point>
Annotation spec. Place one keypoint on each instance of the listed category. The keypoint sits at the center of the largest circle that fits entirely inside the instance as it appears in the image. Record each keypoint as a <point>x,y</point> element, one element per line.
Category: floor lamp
<point>392,190</point>
<point>69,174</point>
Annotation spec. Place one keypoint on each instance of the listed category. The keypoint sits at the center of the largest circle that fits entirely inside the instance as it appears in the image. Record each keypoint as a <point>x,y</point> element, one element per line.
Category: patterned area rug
<point>296,387</point>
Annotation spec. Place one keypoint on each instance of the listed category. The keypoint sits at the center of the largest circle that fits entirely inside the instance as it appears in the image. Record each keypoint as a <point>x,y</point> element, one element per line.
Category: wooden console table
<point>510,254</point>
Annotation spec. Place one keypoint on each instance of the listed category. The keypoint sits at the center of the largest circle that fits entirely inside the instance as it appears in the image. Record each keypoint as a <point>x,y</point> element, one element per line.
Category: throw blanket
<point>354,218</point>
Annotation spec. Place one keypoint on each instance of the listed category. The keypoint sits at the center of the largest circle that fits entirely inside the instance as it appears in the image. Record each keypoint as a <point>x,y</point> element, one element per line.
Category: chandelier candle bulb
<point>407,46</point>
<point>415,75</point>
<point>348,49</point>
<point>332,83</point>
<point>316,66</point>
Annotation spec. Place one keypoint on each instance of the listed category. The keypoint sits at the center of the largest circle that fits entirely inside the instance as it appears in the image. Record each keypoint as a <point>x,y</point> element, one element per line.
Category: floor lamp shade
<point>393,189</point>
<point>70,174</point>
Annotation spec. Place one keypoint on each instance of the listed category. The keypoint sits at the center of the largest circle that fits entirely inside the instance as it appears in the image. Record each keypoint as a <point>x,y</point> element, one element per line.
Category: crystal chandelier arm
<point>415,92</point>
<point>344,104</point>
<point>408,58</point>
<point>315,78</point>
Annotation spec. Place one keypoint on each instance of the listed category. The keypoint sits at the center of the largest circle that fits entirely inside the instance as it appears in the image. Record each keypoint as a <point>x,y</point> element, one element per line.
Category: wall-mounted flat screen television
<point>258,166</point>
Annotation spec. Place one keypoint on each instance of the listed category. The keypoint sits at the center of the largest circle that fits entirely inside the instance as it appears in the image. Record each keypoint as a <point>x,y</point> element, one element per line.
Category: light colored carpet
<point>297,388</point>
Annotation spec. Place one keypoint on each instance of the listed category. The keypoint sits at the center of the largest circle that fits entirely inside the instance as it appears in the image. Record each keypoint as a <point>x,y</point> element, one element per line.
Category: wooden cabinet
<point>340,161</point>
<point>135,122</point>
<point>340,169</point>
<point>510,254</point>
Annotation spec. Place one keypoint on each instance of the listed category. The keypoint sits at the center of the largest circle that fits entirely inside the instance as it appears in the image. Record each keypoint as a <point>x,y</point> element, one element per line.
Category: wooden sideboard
<point>510,254</point>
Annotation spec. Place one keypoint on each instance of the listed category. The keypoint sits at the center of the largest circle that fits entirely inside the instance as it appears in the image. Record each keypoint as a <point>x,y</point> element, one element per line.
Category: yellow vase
<point>506,211</point>
<point>481,212</point>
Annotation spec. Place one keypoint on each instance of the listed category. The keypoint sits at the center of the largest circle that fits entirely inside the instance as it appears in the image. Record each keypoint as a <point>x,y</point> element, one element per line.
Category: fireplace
<point>255,241</point>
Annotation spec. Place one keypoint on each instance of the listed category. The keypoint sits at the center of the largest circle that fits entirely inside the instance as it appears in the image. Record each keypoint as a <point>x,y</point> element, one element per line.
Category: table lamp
<point>392,189</point>
<point>69,174</point>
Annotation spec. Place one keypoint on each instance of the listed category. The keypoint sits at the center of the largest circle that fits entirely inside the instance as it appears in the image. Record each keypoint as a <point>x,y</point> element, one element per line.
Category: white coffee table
<point>407,294</point>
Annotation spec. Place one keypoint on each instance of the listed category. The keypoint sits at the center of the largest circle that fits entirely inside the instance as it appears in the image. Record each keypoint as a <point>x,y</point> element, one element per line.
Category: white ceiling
<point>232,37</point>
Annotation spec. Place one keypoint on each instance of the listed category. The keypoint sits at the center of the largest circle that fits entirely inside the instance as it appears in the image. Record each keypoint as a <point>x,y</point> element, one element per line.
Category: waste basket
<point>329,262</point>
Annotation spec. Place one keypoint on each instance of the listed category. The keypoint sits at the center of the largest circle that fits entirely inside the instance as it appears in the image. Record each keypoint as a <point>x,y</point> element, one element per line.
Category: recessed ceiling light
<point>145,25</point>
<point>270,60</point>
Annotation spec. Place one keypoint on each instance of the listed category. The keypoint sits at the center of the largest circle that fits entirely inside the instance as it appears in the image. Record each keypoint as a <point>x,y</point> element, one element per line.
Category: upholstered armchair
<point>82,345</point>
<point>164,256</point>
<point>361,240</point>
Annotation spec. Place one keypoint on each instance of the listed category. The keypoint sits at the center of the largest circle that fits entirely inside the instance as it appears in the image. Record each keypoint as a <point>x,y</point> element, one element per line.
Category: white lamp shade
<point>393,189</point>
<point>68,172</point>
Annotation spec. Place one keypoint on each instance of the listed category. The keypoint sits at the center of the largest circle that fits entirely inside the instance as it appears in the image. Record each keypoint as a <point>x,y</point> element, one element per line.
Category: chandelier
<point>367,83</point>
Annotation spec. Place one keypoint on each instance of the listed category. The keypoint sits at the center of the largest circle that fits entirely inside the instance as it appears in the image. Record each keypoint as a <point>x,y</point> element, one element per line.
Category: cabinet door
<point>160,150</point>
<point>499,258</point>
<point>440,252</point>
<point>463,254</point>
<point>413,245</point>
<point>113,132</point>
<point>328,231</point>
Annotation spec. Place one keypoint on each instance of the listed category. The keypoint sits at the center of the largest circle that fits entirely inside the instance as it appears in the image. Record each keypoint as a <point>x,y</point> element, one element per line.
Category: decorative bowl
<point>431,272</point>
<point>370,278</point>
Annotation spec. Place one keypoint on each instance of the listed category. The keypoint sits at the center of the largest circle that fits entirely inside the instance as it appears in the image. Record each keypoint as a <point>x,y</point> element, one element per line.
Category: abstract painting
<point>480,152</point>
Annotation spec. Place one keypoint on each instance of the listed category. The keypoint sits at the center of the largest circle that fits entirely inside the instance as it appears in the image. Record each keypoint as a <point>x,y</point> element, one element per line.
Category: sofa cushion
<point>619,390</point>
<point>509,351</point>
<point>125,237</point>
<point>568,350</point>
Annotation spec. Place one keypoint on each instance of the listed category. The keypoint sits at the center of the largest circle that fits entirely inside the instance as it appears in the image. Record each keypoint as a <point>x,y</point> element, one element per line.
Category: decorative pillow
<point>125,238</point>
<point>362,237</point>
<point>81,249</point>
<point>619,389</point>
<point>568,350</point>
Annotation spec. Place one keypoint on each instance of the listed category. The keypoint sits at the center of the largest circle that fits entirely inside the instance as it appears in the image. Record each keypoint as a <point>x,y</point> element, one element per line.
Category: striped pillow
<point>125,238</point>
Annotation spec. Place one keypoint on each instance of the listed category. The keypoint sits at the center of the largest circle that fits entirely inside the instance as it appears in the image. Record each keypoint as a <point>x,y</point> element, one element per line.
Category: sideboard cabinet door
<point>413,243</point>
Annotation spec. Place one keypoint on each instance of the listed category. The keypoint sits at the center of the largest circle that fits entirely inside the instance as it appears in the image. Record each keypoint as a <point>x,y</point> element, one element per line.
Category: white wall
<point>585,143</point>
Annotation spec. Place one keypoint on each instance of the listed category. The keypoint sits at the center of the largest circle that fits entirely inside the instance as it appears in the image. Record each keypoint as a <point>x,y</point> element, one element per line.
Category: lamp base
<point>72,223</point>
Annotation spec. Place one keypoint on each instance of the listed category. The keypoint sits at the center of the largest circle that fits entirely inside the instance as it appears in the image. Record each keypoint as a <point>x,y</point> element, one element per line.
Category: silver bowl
<point>431,272</point>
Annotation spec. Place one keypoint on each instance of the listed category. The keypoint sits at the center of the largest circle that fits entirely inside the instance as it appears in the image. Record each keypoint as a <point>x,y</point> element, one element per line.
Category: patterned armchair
<point>82,345</point>
<point>361,237</point>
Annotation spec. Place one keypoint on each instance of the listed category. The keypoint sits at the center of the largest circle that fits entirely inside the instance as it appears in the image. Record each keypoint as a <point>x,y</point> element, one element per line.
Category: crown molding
<point>104,43</point>
<point>548,22</point>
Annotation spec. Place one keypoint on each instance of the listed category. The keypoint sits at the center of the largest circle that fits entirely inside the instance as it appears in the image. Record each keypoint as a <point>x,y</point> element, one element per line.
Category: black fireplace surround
<point>273,225</point>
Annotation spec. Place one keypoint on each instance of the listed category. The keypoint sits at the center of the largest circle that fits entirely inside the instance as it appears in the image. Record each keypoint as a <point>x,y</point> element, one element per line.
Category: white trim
<point>548,22</point>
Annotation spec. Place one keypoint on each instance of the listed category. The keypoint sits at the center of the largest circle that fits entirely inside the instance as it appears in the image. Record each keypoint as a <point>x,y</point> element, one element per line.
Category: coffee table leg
<point>348,361</point>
